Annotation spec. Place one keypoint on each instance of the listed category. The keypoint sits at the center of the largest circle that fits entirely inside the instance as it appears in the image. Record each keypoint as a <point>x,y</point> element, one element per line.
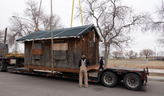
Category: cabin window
<point>60,50</point>
<point>60,46</point>
<point>93,35</point>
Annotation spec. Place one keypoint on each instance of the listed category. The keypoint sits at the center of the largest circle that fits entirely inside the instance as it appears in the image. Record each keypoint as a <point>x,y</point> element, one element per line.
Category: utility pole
<point>5,36</point>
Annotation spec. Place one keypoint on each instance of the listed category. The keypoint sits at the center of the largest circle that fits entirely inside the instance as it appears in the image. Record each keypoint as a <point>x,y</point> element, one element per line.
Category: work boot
<point>86,86</point>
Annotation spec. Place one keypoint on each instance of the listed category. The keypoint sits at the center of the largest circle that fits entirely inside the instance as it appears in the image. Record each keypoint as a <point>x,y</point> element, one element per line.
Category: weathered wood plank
<point>47,54</point>
<point>37,45</point>
<point>54,69</point>
<point>36,57</point>
<point>60,55</point>
<point>60,69</point>
<point>37,52</point>
<point>27,52</point>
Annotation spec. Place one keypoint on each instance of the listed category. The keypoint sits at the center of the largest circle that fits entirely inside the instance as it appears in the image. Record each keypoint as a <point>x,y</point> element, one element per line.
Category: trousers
<point>101,67</point>
<point>83,73</point>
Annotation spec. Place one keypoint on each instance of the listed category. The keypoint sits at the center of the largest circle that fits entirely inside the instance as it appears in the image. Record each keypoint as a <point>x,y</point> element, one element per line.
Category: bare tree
<point>46,20</point>
<point>117,54</point>
<point>26,25</point>
<point>160,54</point>
<point>103,53</point>
<point>131,54</point>
<point>147,53</point>
<point>113,20</point>
<point>158,25</point>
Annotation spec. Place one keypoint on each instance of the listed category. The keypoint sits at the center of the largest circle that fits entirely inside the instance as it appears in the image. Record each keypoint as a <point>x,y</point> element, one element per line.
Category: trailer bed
<point>127,69</point>
<point>105,76</point>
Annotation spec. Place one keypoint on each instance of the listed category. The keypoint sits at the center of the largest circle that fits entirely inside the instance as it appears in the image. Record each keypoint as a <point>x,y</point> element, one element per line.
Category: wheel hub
<point>132,81</point>
<point>108,79</point>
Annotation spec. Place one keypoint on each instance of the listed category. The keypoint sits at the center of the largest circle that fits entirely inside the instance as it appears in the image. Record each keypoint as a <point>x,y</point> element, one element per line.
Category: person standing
<point>101,64</point>
<point>83,71</point>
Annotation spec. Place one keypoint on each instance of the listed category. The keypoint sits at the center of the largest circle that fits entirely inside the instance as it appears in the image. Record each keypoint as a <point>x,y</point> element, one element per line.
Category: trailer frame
<point>120,73</point>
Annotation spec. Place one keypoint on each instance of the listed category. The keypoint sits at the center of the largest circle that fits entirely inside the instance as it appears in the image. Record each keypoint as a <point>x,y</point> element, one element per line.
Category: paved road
<point>29,85</point>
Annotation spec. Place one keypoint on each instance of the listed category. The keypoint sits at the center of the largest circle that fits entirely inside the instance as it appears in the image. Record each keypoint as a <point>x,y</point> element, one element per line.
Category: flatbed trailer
<point>133,78</point>
<point>10,62</point>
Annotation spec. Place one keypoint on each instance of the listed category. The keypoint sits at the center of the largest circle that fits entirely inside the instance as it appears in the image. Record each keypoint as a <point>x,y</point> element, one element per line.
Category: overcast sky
<point>63,9</point>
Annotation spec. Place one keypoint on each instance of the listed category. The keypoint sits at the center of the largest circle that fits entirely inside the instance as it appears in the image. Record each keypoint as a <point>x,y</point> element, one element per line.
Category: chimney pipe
<point>5,36</point>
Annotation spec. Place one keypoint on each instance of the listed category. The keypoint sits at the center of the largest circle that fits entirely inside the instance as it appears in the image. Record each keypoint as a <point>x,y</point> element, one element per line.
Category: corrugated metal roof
<point>59,33</point>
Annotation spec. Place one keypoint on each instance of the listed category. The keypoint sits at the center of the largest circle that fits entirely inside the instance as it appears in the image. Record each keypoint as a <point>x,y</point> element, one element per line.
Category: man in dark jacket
<point>83,71</point>
<point>101,64</point>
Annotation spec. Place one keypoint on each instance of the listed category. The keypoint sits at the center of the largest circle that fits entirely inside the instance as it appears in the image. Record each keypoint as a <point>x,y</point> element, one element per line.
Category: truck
<point>133,78</point>
<point>69,44</point>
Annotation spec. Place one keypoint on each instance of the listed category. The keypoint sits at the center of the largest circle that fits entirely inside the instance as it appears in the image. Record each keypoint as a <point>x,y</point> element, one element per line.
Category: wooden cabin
<point>69,45</point>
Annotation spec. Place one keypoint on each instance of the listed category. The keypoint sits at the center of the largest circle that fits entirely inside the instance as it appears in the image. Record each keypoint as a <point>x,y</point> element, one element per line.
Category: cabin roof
<point>59,33</point>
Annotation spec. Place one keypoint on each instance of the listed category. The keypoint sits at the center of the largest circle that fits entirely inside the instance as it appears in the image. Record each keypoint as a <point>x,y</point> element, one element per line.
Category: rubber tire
<point>137,77</point>
<point>114,77</point>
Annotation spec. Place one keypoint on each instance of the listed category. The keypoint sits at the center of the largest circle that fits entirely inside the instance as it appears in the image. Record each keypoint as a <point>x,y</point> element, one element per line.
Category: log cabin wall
<point>72,55</point>
<point>64,58</point>
<point>90,47</point>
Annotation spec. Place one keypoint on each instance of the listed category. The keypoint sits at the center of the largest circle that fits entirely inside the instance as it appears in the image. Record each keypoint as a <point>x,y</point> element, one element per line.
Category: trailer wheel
<point>109,79</point>
<point>132,81</point>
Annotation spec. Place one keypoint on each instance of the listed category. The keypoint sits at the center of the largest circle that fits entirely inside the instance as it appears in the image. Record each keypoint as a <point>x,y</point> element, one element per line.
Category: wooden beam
<point>60,69</point>
<point>93,67</point>
<point>55,69</point>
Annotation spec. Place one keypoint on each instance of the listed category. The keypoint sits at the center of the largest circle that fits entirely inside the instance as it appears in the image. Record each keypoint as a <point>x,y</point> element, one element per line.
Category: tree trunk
<point>105,56</point>
<point>146,56</point>
<point>106,53</point>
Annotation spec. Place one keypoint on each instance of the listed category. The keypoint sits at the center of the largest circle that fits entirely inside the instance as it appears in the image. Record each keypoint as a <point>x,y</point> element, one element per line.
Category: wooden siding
<point>90,48</point>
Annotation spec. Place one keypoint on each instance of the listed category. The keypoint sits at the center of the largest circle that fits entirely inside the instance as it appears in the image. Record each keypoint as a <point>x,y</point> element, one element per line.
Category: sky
<point>63,8</point>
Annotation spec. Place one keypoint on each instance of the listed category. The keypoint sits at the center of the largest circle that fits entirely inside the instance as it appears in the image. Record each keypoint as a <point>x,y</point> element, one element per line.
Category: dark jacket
<point>86,63</point>
<point>101,62</point>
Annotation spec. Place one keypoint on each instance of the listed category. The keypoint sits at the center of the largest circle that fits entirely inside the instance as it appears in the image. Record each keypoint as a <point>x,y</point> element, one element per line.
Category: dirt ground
<point>137,63</point>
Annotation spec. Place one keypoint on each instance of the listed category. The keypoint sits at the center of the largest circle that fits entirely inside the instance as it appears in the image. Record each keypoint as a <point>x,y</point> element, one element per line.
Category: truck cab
<point>8,60</point>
